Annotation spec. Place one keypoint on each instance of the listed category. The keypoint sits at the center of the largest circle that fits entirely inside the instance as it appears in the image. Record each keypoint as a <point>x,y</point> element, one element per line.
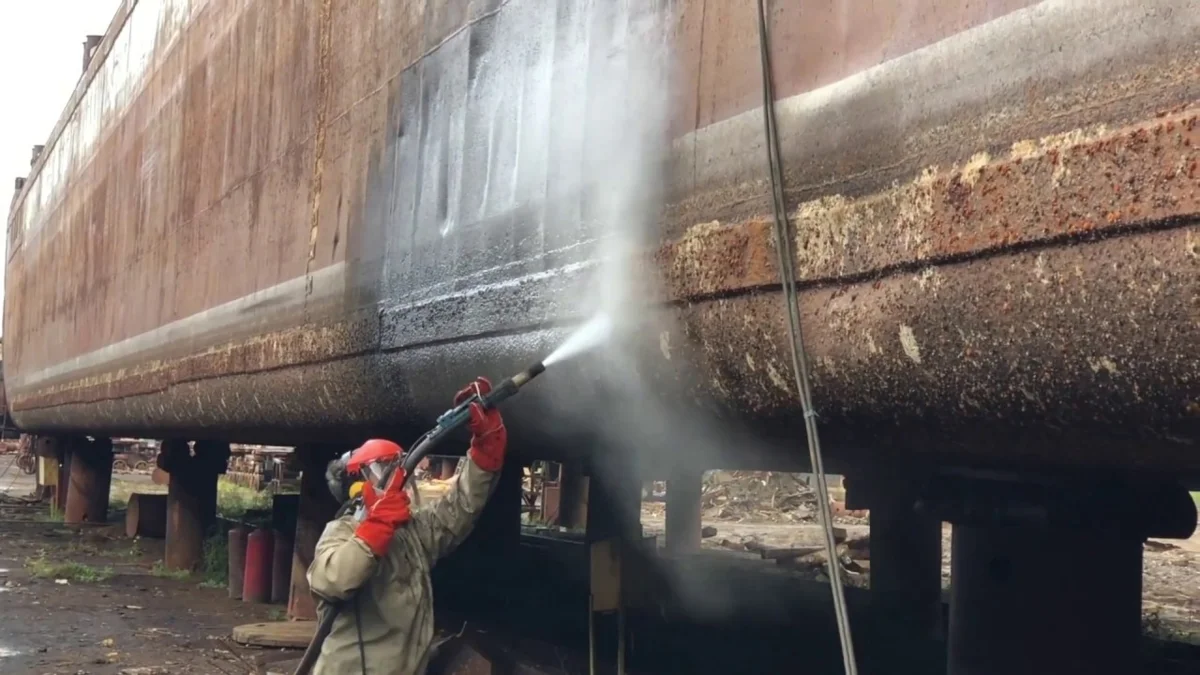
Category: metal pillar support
<point>317,507</point>
<point>614,508</point>
<point>191,498</point>
<point>572,496</point>
<point>498,529</point>
<point>90,481</point>
<point>906,567</point>
<point>683,510</point>
<point>1014,609</point>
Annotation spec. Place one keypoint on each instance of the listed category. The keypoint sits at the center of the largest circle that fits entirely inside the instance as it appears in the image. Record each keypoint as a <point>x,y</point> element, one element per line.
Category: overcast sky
<point>41,49</point>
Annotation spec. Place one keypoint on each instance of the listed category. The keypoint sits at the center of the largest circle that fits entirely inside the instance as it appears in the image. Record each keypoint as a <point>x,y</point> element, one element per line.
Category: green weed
<point>51,516</point>
<point>80,548</point>
<point>41,568</point>
<point>216,560</point>
<point>233,500</point>
<point>134,550</point>
<point>163,572</point>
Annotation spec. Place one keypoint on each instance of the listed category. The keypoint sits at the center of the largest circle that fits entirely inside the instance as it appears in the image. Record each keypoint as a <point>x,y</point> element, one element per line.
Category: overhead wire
<point>783,248</point>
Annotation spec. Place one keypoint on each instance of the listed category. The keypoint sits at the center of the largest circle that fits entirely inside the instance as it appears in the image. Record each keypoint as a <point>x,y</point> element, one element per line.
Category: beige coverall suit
<point>396,602</point>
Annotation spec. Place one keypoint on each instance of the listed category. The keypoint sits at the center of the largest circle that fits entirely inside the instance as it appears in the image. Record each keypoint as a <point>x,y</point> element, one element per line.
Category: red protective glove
<point>489,438</point>
<point>386,511</point>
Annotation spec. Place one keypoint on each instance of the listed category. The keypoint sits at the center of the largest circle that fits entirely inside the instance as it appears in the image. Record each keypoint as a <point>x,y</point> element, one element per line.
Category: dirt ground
<point>124,614</point>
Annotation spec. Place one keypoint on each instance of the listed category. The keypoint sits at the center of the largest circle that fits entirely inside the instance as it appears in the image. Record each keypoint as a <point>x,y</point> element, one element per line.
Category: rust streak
<point>325,45</point>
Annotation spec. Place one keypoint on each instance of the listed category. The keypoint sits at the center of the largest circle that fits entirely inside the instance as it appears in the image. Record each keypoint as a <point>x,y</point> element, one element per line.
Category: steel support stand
<point>191,499</point>
<point>683,510</point>
<point>89,482</point>
<point>1044,602</point>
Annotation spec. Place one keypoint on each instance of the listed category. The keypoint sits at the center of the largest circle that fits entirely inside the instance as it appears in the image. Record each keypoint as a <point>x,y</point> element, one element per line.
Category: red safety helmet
<point>371,459</point>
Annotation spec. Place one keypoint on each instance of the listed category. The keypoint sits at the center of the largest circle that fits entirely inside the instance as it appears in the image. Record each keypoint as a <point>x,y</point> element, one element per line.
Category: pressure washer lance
<point>448,422</point>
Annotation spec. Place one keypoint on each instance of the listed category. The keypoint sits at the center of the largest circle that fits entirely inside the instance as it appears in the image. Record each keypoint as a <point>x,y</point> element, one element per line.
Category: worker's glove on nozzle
<point>489,438</point>
<point>386,511</point>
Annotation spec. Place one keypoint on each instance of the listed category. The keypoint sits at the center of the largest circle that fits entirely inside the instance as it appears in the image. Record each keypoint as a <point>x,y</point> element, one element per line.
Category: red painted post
<point>256,585</point>
<point>237,561</point>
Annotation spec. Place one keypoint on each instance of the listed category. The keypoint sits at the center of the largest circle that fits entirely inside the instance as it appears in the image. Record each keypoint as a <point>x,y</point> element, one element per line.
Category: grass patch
<point>80,548</point>
<point>134,550</point>
<point>121,490</point>
<point>163,572</point>
<point>52,515</point>
<point>41,568</point>
<point>216,561</point>
<point>276,614</point>
<point>233,500</point>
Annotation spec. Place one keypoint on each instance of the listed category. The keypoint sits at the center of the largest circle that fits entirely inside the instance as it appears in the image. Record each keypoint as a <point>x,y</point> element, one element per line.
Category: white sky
<point>41,49</point>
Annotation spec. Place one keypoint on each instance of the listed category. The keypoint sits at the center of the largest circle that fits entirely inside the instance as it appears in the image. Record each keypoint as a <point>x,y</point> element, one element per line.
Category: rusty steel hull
<point>286,224</point>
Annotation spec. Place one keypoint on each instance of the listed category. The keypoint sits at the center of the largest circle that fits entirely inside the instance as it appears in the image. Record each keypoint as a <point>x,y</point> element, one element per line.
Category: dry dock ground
<point>92,601</point>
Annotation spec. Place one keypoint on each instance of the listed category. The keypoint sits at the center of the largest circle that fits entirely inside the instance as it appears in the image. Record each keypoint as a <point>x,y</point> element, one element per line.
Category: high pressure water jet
<point>589,336</point>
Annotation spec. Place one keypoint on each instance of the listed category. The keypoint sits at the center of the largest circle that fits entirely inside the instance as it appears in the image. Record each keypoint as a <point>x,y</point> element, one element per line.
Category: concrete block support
<point>1012,613</point>
<point>191,498</point>
<point>683,510</point>
<point>90,481</point>
<point>317,507</point>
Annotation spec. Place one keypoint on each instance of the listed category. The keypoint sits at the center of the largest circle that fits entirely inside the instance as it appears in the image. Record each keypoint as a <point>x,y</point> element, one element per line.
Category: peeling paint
<point>664,344</point>
<point>908,340</point>
<point>974,167</point>
<point>929,279</point>
<point>777,378</point>
<point>1104,363</point>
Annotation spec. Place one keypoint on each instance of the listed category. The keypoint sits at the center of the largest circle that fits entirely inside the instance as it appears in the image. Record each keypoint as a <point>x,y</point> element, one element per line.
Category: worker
<point>380,559</point>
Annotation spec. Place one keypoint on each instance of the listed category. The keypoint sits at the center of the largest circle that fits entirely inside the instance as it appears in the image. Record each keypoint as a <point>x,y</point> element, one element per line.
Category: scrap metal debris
<point>761,496</point>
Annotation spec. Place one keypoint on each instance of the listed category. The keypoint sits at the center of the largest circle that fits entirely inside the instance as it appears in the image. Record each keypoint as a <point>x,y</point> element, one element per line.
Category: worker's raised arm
<point>447,523</point>
<point>347,553</point>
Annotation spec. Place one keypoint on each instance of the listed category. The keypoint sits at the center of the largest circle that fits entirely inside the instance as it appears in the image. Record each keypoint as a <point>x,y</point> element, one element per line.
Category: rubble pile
<point>759,496</point>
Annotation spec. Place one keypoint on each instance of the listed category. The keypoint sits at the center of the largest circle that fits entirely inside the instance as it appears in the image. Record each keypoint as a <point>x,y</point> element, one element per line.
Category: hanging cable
<point>783,247</point>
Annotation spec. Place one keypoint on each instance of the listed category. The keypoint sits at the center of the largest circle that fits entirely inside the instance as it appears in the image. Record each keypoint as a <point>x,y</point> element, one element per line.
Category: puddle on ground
<point>6,652</point>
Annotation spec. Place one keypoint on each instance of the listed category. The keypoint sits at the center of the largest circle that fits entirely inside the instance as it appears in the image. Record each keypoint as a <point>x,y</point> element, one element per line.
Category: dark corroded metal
<point>312,222</point>
<point>1084,622</point>
<point>90,480</point>
<point>191,499</point>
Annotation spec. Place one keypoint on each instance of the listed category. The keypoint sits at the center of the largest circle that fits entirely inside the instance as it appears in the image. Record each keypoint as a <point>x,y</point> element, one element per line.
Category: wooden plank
<point>293,634</point>
<point>789,553</point>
